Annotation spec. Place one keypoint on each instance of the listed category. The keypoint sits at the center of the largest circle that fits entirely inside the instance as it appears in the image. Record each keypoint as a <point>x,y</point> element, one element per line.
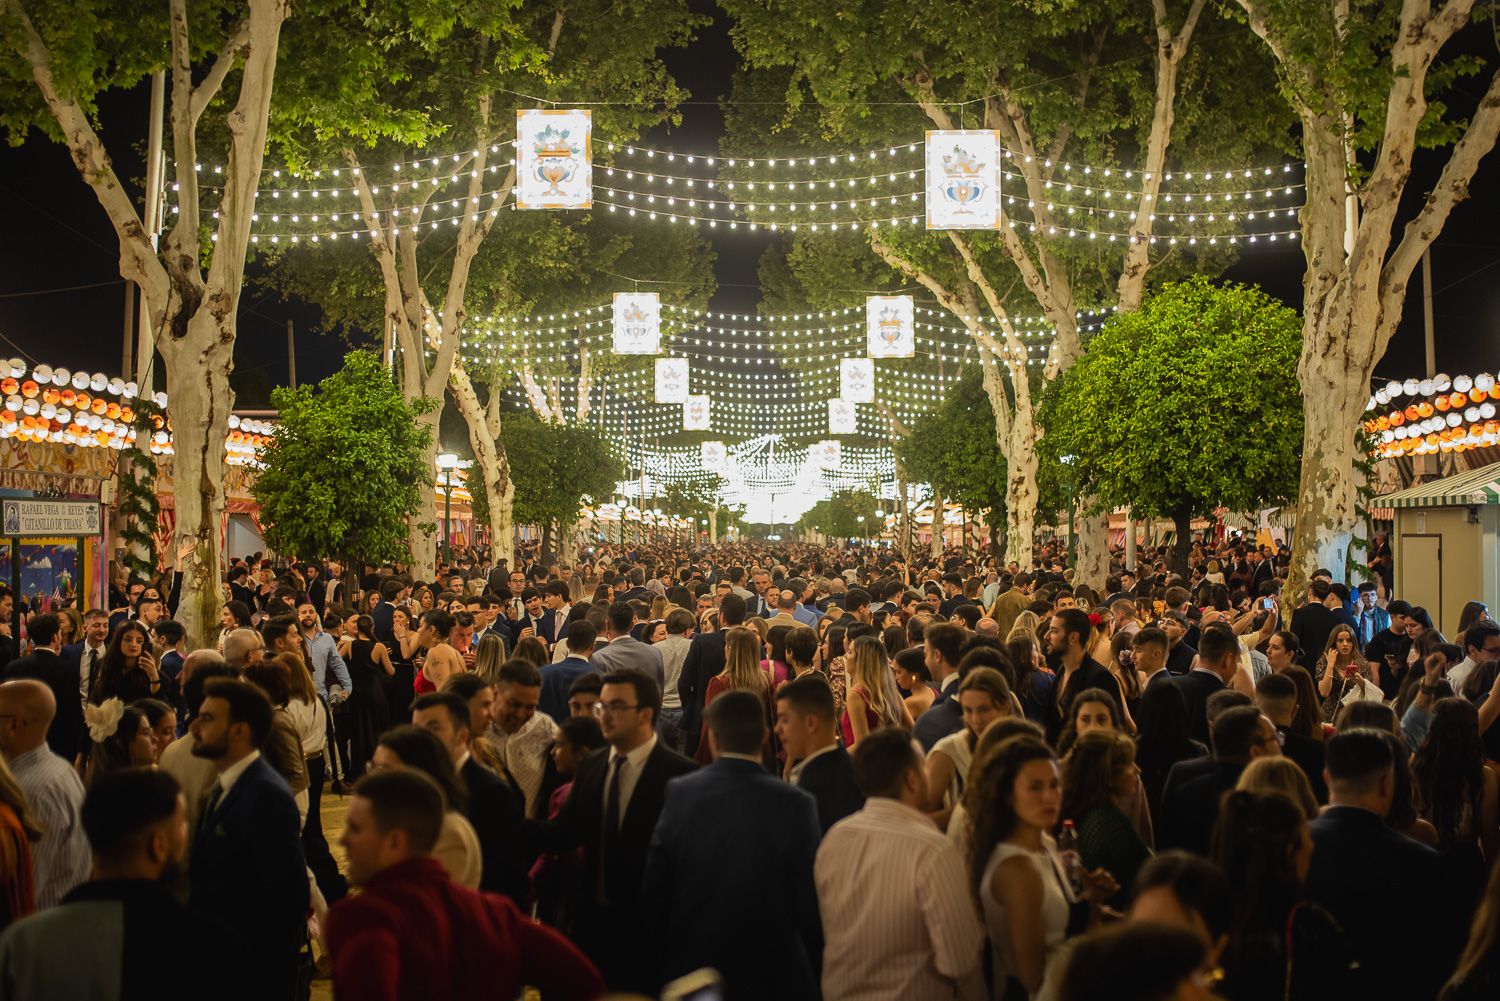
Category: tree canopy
<point>848,514</point>
<point>346,468</point>
<point>1185,405</point>
<point>555,466</point>
<point>953,447</point>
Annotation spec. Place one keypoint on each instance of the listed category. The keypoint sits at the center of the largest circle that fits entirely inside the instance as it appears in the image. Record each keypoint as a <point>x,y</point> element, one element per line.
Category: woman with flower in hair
<point>121,738</point>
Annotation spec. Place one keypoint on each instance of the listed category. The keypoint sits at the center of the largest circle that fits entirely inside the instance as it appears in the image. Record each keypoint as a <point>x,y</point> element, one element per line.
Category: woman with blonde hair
<point>742,673</point>
<point>1281,776</point>
<point>532,650</point>
<point>872,701</point>
<point>1026,624</point>
<point>488,657</point>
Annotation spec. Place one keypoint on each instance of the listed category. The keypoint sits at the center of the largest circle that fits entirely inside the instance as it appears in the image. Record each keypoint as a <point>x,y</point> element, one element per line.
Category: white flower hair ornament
<point>103,720</point>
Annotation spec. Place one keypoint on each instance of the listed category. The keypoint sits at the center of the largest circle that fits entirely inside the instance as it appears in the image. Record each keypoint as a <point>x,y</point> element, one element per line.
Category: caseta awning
<point>1476,486</point>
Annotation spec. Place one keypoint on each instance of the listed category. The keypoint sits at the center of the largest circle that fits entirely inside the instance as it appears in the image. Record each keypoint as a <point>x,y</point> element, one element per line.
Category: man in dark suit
<point>1218,663</point>
<point>705,658</point>
<point>806,725</point>
<point>704,906</point>
<point>1191,808</point>
<point>87,655</point>
<point>1312,623</point>
<point>538,619</point>
<point>617,797</point>
<point>942,646</point>
<point>1076,670</point>
<point>45,664</point>
<point>558,678</point>
<point>384,611</point>
<point>492,807</point>
<point>1365,874</point>
<point>1276,695</point>
<point>246,866</point>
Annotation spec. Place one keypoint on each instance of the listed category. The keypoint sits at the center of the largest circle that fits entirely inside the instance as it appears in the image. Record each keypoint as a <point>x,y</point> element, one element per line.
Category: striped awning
<point>1476,486</point>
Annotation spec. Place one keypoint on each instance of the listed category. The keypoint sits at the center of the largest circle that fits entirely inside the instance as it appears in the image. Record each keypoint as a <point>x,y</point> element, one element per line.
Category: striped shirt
<point>61,859</point>
<point>899,920</point>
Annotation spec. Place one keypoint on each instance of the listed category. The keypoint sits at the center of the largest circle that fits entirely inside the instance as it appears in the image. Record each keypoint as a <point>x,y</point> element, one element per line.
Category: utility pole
<point>291,354</point>
<point>155,167</point>
<point>1427,313</point>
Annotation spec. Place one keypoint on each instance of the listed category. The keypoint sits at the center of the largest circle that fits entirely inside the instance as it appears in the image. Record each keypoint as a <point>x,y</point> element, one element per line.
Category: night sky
<point>61,298</point>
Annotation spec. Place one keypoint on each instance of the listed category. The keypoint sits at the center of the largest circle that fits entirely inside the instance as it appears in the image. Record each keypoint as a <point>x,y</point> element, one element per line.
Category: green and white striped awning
<point>1476,486</point>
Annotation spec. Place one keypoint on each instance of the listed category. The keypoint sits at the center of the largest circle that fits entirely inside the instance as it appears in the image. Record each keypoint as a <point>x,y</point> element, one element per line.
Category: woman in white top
<point>1013,797</point>
<point>984,697</point>
<point>457,848</point>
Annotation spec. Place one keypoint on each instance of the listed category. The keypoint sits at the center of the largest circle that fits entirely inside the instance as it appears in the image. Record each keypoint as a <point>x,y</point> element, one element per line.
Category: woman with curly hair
<point>1098,771</point>
<point>1456,791</point>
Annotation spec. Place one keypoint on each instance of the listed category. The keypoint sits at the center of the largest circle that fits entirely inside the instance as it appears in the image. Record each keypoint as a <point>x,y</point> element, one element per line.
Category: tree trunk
<point>490,461</point>
<point>420,538</point>
<point>997,553</point>
<point>547,538</point>
<point>1182,545</point>
<point>199,407</point>
<point>935,546</point>
<point>713,525</point>
<point>1091,557</point>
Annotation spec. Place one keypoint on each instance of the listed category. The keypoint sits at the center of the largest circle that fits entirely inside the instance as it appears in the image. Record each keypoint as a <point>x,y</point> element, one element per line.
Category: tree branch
<point>898,430</point>
<point>208,88</point>
<point>1452,187</point>
<point>181,257</point>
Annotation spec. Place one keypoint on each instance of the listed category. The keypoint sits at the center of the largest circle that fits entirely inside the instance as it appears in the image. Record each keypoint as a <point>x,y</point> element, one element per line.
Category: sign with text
<point>50,517</point>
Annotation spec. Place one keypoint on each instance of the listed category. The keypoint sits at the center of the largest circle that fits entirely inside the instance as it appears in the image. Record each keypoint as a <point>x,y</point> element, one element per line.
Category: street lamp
<point>447,462</point>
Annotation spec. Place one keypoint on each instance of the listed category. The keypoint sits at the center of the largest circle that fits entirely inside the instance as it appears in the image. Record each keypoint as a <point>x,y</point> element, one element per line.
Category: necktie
<point>611,822</point>
<point>209,806</point>
<point>86,678</point>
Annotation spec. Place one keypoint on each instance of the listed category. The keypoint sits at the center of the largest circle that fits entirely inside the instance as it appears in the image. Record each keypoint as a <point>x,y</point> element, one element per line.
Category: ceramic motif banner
<point>890,326</point>
<point>857,380</point>
<point>842,416</point>
<point>671,380</point>
<point>711,455</point>
<point>637,327</point>
<point>828,454</point>
<point>554,168</point>
<point>963,179</point>
<point>695,413</point>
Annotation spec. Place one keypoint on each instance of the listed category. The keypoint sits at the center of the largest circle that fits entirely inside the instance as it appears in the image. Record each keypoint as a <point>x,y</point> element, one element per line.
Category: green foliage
<point>839,516</point>
<point>953,447</point>
<point>555,466</point>
<point>1186,404</point>
<point>695,498</point>
<point>137,503</point>
<point>347,467</point>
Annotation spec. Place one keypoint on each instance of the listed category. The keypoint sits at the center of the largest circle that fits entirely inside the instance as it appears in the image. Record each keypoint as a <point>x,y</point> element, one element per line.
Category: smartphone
<point>1267,604</point>
<point>700,985</point>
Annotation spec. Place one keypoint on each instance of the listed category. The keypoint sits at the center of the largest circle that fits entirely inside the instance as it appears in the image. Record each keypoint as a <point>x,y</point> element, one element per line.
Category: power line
<point>69,288</point>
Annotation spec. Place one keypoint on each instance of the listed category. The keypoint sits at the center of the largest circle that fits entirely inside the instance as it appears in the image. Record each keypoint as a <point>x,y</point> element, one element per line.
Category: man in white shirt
<point>1481,644</point>
<point>674,651</point>
<point>898,912</point>
<point>60,858</point>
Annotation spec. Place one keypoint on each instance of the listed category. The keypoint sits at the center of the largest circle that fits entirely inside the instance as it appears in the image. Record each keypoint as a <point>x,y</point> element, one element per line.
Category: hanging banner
<point>829,454</point>
<point>711,455</point>
<point>554,168</point>
<point>857,380</point>
<point>841,417</point>
<point>671,380</point>
<point>695,413</point>
<point>963,179</point>
<point>890,326</point>
<point>637,323</point>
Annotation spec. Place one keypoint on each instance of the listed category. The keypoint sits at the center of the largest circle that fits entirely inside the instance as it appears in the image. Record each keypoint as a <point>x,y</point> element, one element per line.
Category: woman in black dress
<point>368,709</point>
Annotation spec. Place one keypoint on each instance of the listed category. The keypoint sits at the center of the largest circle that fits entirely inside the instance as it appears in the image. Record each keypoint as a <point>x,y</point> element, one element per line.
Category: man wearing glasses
<point>617,797</point>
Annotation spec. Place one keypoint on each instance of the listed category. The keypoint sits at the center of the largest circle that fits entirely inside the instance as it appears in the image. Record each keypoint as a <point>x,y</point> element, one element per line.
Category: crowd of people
<point>755,771</point>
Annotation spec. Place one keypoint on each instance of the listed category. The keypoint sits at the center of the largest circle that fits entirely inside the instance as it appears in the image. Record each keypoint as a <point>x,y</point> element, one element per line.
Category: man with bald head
<point>45,664</point>
<point>60,859</point>
<point>243,647</point>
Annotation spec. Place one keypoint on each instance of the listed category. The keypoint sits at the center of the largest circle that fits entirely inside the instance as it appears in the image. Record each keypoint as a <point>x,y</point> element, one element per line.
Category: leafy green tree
<point>416,77</point>
<point>1185,405</point>
<point>1061,82</point>
<point>557,466</point>
<point>954,445</point>
<point>1371,82</point>
<point>346,470</point>
<point>58,64</point>
<point>848,514</point>
<point>701,498</point>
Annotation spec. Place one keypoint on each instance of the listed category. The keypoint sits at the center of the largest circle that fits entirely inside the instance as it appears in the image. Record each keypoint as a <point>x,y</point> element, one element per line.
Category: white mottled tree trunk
<point>1091,552</point>
<point>491,464</point>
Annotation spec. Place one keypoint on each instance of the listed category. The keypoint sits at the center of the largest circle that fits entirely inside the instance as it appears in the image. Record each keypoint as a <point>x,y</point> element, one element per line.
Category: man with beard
<point>137,825</point>
<point>247,866</point>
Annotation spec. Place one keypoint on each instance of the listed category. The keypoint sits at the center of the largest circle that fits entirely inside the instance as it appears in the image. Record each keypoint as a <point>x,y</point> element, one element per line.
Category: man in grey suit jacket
<point>624,652</point>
